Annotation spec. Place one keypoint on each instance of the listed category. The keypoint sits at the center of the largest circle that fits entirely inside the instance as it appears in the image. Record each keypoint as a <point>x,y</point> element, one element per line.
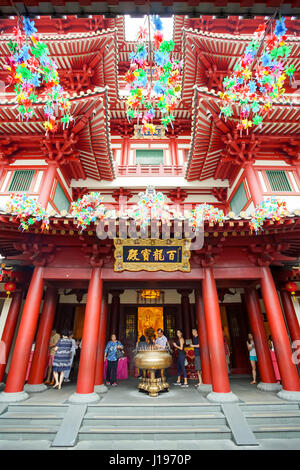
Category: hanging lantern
<point>9,287</point>
<point>292,288</point>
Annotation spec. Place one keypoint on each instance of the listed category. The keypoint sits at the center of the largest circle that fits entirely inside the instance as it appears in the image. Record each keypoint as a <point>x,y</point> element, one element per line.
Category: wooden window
<point>21,180</point>
<point>278,181</point>
<point>149,157</point>
<point>60,199</point>
<point>239,200</point>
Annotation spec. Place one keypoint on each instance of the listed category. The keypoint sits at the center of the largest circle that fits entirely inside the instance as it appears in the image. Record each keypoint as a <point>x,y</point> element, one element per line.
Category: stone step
<point>284,420</point>
<point>269,407</point>
<point>270,414</point>
<point>276,431</point>
<point>35,415</point>
<point>151,410</point>
<point>40,409</point>
<point>52,421</point>
<point>148,423</point>
<point>28,432</point>
<point>156,433</point>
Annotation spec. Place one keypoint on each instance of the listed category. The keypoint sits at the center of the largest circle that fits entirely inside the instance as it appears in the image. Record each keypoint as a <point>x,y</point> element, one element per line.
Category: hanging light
<point>150,293</point>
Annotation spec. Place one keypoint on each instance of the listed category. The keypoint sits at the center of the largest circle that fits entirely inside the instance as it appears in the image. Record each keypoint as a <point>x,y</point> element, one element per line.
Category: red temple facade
<point>67,278</point>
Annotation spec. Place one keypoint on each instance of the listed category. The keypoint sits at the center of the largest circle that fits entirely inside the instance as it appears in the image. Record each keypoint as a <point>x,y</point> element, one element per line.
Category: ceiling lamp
<point>150,293</point>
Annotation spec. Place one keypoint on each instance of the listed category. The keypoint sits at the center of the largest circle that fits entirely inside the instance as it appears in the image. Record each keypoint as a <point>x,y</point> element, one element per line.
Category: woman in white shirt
<point>252,356</point>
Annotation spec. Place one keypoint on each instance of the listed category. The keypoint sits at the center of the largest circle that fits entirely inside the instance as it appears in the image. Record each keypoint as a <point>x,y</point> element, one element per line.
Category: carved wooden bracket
<point>220,194</point>
<point>208,256</point>
<point>264,255</point>
<point>39,255</point>
<point>97,254</point>
<point>240,150</point>
<point>177,195</point>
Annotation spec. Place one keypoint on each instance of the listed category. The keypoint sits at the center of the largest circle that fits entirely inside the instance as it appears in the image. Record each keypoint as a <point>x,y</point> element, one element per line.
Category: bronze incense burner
<point>152,360</point>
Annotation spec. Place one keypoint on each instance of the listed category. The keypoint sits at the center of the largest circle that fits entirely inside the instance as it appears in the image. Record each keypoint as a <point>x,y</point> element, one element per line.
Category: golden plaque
<point>152,254</point>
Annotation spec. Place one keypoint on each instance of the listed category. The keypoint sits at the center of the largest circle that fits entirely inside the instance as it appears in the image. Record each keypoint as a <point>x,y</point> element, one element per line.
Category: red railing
<point>149,170</point>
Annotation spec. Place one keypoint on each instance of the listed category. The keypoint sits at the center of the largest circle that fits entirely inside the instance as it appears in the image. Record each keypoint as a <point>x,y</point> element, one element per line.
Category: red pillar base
<point>269,387</point>
<point>84,398</point>
<point>218,397</point>
<point>10,397</point>
<point>289,395</point>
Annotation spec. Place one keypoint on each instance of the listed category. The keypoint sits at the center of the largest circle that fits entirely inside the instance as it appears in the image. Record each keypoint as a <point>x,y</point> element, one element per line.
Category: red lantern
<point>10,287</point>
<point>292,288</point>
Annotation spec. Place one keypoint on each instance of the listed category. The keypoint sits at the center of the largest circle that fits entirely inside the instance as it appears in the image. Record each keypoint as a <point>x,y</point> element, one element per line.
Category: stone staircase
<point>159,422</point>
<point>273,421</point>
<point>31,422</point>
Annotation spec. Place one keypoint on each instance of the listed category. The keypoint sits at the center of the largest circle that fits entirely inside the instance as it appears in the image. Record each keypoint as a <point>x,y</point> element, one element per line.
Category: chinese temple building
<point>110,277</point>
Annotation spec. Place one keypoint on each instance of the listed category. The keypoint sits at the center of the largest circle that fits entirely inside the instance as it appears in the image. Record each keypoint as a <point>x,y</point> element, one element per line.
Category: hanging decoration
<point>88,209</point>
<point>258,77</point>
<point>28,210</point>
<point>272,208</point>
<point>9,287</point>
<point>34,75</point>
<point>156,86</point>
<point>291,287</point>
<point>151,205</point>
<point>205,212</point>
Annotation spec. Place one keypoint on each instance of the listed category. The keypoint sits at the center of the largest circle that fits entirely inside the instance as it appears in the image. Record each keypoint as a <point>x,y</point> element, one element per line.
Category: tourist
<point>161,340</point>
<point>141,344</point>
<point>111,355</point>
<point>196,346</point>
<point>179,345</point>
<point>252,356</point>
<point>62,358</point>
<point>52,344</point>
<point>73,350</point>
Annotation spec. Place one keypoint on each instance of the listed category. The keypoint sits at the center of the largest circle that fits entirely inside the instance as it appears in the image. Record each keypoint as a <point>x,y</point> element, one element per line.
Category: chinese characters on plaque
<point>152,255</point>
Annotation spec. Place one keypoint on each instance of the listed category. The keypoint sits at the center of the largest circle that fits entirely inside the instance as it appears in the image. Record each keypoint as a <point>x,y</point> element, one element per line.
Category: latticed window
<point>239,200</point>
<point>278,180</point>
<point>21,180</point>
<point>130,326</point>
<point>60,199</point>
<point>149,157</point>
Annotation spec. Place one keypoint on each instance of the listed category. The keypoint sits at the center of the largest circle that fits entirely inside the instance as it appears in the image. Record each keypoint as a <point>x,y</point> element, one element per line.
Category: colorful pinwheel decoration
<point>155,86</point>
<point>272,208</point>
<point>205,212</point>
<point>28,211</point>
<point>258,77</point>
<point>88,209</point>
<point>34,74</point>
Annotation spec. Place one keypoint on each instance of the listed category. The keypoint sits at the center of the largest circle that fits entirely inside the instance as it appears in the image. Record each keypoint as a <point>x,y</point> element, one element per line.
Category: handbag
<point>119,353</point>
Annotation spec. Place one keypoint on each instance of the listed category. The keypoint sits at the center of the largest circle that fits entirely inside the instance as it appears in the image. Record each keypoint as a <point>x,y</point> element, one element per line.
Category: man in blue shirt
<point>110,354</point>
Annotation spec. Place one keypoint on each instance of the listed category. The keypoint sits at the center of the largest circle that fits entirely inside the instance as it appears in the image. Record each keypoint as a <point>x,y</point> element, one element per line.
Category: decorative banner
<point>164,93</point>
<point>258,77</point>
<point>272,208</point>
<point>28,210</point>
<point>152,255</point>
<point>34,75</point>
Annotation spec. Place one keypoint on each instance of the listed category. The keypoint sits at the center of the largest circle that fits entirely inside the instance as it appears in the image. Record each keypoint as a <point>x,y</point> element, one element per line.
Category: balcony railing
<point>149,170</point>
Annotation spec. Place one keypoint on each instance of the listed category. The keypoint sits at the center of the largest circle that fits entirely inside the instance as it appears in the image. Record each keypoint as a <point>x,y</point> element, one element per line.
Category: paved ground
<point>127,392</point>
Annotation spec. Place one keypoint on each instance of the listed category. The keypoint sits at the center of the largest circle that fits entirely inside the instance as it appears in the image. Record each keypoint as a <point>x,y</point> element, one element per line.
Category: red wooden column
<point>264,360</point>
<point>287,369</point>
<point>17,372</point>
<point>9,328</point>
<point>219,374</point>
<point>86,373</point>
<point>47,184</point>
<point>254,184</point>
<point>290,315</point>
<point>204,351</point>
<point>40,356</point>
<point>99,386</point>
